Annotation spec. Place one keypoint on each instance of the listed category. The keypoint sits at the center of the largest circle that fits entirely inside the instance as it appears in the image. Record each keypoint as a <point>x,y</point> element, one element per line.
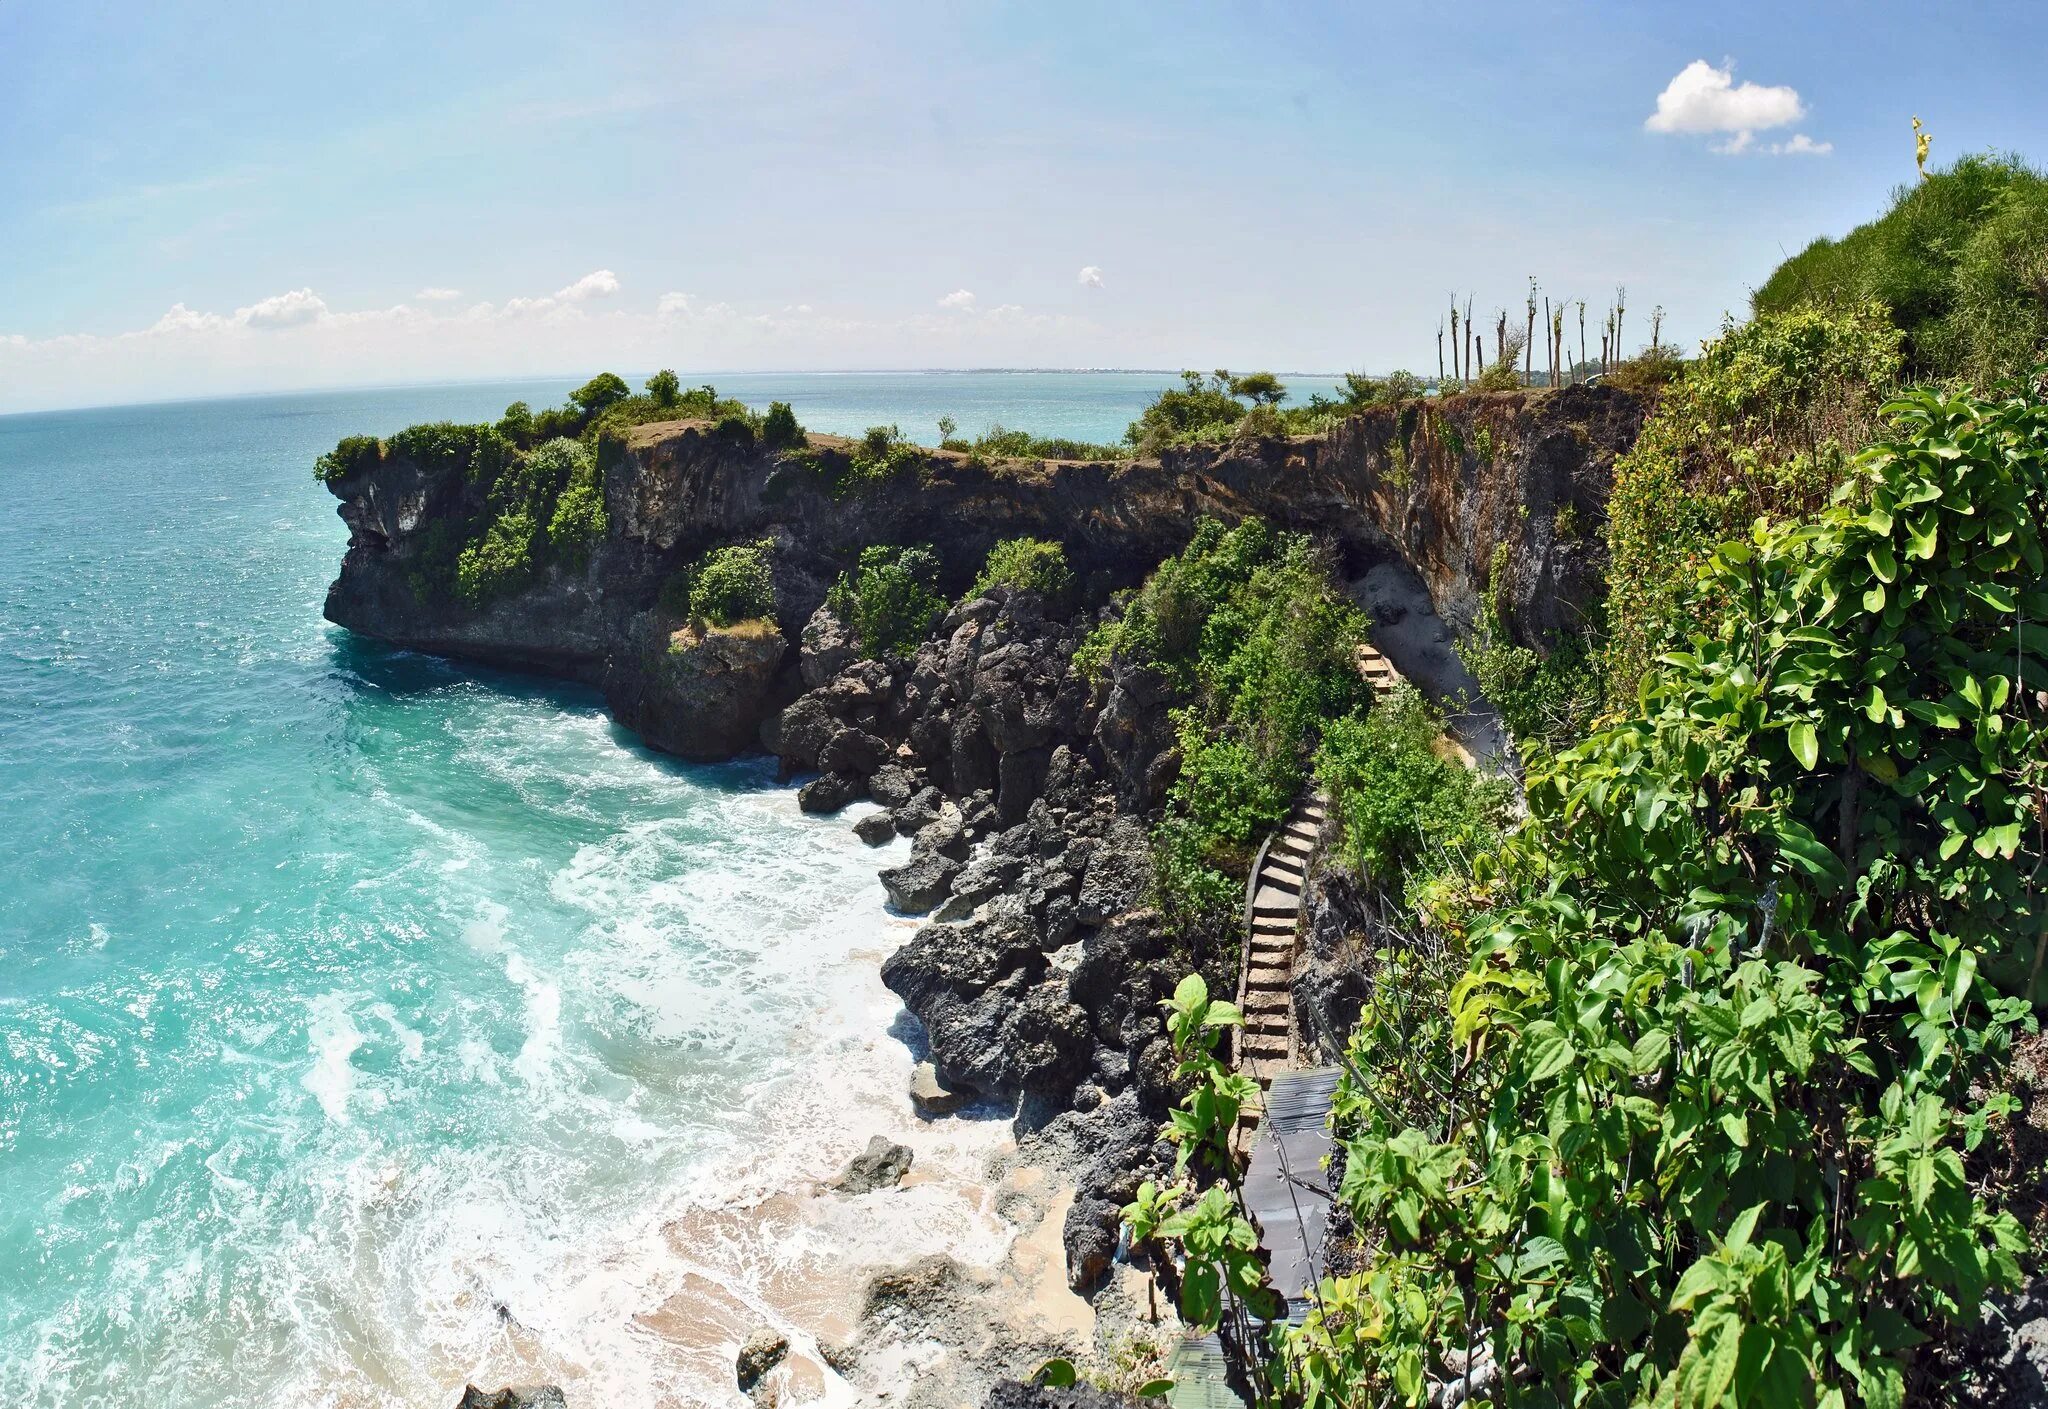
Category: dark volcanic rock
<point>875,829</point>
<point>891,785</point>
<point>852,751</point>
<point>702,694</point>
<point>828,648</point>
<point>828,792</point>
<point>801,732</point>
<point>921,882</point>
<point>513,1397</point>
<point>1119,872</point>
<point>762,1352</point>
<point>881,1166</point>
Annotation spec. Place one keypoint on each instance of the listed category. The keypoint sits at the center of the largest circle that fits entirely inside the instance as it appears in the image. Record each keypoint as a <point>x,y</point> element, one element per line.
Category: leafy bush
<point>1545,698</point>
<point>1706,1116</point>
<point>1959,262</point>
<point>565,470</point>
<point>880,453</point>
<point>600,393</point>
<point>501,561</point>
<point>1194,410</point>
<point>1248,624</point>
<point>665,387</point>
<point>477,453</point>
<point>1029,565</point>
<point>779,430</point>
<point>350,454</point>
<point>890,600</point>
<point>734,583</point>
<point>1762,422</point>
<point>516,425</point>
<point>1404,808</point>
<point>999,443</point>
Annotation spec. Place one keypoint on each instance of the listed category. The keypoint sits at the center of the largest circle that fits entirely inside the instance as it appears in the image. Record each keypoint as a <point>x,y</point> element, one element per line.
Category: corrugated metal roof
<point>1286,1189</point>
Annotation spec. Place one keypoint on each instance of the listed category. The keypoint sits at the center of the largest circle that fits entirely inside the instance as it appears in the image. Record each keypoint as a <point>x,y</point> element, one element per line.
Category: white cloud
<point>1703,99</point>
<point>960,299</point>
<point>1801,145</point>
<point>601,283</point>
<point>295,339</point>
<point>438,295</point>
<point>1091,276</point>
<point>285,310</point>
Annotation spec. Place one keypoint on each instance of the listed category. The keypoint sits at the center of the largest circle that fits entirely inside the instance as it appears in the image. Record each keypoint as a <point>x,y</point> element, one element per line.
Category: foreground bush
<point>1027,565</point>
<point>1959,262</point>
<point>1763,422</point>
<point>1249,626</point>
<point>1698,1124</point>
<point>890,599</point>
<point>733,584</point>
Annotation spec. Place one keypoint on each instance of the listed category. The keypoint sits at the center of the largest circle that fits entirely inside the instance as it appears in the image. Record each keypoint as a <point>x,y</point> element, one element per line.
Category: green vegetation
<point>600,394</point>
<point>1227,406</point>
<point>882,453</point>
<point>1763,423</point>
<point>1028,565</point>
<point>732,584</point>
<point>1248,624</point>
<point>779,429</point>
<point>1703,1111</point>
<point>1959,261</point>
<point>499,562</point>
<point>890,600</point>
<point>352,453</point>
<point>1406,809</point>
<point>1000,444</point>
<point>665,387</point>
<point>1545,698</point>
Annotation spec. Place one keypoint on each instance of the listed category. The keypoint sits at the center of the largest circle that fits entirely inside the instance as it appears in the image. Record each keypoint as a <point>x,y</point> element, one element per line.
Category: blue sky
<point>234,197</point>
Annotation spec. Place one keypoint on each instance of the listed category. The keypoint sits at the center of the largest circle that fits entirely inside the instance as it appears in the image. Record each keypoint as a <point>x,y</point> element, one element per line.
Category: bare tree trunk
<point>1582,331</point>
<point>1457,343</point>
<point>1439,355</point>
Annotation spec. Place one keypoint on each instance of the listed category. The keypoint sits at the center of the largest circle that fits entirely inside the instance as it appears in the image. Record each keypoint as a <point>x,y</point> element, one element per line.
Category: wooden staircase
<point>1378,671</point>
<point>1266,1046</point>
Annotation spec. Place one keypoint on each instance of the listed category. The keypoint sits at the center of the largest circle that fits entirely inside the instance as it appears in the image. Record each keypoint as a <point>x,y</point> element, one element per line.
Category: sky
<point>222,198</point>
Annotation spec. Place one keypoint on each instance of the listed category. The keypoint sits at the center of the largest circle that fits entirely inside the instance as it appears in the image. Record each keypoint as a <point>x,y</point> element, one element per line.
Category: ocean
<point>369,1024</point>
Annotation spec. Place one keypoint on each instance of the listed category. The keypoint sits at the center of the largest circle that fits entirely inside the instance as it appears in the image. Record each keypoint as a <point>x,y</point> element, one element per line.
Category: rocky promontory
<point>1025,784</point>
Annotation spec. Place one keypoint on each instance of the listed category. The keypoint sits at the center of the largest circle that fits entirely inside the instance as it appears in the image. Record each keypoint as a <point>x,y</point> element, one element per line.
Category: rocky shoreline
<point>1026,788</point>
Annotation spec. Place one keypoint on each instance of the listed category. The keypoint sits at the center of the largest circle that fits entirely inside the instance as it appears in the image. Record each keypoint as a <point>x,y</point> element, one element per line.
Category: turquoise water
<point>364,1020</point>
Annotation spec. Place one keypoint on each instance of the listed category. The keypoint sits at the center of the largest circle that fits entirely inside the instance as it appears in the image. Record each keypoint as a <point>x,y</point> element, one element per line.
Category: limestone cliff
<point>1435,485</point>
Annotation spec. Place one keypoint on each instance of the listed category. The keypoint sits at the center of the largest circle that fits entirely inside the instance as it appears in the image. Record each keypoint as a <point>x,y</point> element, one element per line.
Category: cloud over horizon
<point>1702,100</point>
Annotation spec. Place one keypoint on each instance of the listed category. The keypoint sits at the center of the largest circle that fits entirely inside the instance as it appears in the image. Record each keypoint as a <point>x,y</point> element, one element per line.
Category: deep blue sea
<point>369,1024</point>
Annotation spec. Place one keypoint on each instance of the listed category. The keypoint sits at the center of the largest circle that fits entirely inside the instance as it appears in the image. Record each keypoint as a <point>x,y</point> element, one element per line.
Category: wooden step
<point>1286,882</point>
<point>1262,1047</point>
<point>1273,980</point>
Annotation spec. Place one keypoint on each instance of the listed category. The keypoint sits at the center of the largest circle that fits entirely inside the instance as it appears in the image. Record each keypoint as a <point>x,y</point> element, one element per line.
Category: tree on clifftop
<point>665,387</point>
<point>604,390</point>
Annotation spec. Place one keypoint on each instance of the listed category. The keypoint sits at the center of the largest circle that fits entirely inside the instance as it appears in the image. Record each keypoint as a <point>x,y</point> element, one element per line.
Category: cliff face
<point>1438,486</point>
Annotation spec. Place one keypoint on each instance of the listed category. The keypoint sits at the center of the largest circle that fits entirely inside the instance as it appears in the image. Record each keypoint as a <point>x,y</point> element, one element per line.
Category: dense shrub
<point>882,453</point>
<point>350,454</point>
<point>1959,261</point>
<point>1000,443</point>
<point>501,561</point>
<point>1249,626</point>
<point>734,583</point>
<point>516,425</point>
<point>665,388</point>
<point>1194,410</point>
<point>600,393</point>
<point>1720,1071</point>
<point>1029,565</point>
<point>890,599</point>
<point>477,453</point>
<point>1763,422</point>
<point>1403,807</point>
<point>779,429</point>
